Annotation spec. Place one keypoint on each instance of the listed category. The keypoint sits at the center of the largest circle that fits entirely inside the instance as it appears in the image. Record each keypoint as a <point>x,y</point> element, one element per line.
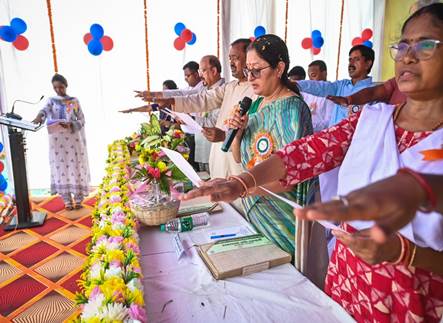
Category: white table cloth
<point>184,290</point>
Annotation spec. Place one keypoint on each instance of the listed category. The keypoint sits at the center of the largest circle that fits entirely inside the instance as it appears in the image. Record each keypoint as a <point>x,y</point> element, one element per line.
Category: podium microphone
<point>245,104</point>
<point>13,115</point>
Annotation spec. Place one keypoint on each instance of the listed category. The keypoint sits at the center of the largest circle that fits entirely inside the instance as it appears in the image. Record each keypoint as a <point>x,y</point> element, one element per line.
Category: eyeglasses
<point>423,49</point>
<point>255,72</point>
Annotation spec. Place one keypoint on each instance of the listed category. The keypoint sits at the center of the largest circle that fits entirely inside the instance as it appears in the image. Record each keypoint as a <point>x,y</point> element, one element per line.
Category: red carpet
<point>39,267</point>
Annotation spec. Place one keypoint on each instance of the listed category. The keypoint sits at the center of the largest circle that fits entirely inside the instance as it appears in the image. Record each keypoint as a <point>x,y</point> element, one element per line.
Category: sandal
<point>78,206</point>
<point>69,208</point>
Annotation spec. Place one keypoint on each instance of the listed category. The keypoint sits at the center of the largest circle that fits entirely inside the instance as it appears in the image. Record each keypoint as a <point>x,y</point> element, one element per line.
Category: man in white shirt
<point>226,97</point>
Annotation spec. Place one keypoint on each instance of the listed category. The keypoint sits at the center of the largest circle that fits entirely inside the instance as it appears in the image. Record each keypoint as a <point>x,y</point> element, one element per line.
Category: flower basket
<point>154,207</point>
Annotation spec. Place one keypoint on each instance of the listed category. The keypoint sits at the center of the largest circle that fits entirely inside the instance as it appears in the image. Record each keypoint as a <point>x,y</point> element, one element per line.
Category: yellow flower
<point>162,166</point>
<point>115,255</point>
<point>186,156</point>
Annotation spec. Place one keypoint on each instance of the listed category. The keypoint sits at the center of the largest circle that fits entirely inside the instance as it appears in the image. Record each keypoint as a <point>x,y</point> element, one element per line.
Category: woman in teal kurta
<point>278,117</point>
<point>269,129</point>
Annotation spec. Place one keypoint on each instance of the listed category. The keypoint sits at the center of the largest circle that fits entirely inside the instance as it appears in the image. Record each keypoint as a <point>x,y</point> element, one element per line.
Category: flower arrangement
<point>111,280</point>
<point>153,165</point>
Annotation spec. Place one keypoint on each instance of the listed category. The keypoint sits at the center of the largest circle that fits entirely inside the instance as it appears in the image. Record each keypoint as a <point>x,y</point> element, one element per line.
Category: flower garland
<point>111,281</point>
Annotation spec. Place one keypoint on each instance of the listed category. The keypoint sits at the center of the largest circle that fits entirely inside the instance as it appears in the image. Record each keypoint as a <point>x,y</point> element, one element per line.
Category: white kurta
<point>68,155</point>
<point>221,164</point>
<point>373,155</point>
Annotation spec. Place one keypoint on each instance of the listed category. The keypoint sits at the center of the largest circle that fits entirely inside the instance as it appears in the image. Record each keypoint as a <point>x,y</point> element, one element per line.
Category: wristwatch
<point>355,108</point>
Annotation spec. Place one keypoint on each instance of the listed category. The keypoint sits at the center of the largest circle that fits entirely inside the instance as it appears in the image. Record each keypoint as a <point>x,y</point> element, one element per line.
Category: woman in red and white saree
<point>400,280</point>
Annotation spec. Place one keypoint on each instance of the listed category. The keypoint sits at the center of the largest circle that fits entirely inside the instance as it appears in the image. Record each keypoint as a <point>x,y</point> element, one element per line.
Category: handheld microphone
<point>245,104</point>
<point>13,115</point>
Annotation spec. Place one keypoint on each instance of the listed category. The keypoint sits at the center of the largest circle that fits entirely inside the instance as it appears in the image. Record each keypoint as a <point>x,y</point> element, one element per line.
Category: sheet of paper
<point>183,165</point>
<point>191,124</point>
<point>178,246</point>
<point>189,130</point>
<point>326,224</point>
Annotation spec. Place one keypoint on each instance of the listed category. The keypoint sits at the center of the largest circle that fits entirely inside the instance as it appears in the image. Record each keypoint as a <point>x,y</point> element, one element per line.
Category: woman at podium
<point>68,155</point>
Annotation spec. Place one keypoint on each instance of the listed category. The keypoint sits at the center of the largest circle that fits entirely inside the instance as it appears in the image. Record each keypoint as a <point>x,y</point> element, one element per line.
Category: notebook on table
<point>241,256</point>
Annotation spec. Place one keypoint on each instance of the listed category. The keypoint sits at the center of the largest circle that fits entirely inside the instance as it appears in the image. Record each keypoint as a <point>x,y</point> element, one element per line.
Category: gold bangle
<point>253,178</point>
<point>414,251</point>
<point>402,252</point>
<point>242,182</point>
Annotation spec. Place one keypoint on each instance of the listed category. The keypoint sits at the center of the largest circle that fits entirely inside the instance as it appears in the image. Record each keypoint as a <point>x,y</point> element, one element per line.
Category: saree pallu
<point>269,129</point>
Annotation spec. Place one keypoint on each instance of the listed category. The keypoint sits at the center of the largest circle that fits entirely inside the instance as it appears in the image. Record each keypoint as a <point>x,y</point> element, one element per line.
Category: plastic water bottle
<point>186,223</point>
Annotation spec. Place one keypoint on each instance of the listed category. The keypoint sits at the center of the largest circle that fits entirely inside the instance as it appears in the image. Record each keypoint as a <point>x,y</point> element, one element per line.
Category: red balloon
<point>87,38</point>
<point>179,43</point>
<point>21,42</point>
<point>2,166</point>
<point>186,34</point>
<point>315,51</point>
<point>366,34</point>
<point>107,43</point>
<point>357,41</point>
<point>306,43</point>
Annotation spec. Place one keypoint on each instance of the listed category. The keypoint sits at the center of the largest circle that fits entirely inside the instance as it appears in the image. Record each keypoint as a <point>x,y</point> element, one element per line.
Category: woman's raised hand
<point>391,202</point>
<point>218,189</point>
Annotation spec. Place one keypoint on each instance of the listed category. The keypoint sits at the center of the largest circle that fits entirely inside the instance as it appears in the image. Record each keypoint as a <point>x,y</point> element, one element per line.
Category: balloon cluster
<point>13,33</point>
<point>185,36</point>
<point>258,31</point>
<point>97,41</point>
<point>315,42</point>
<point>366,34</point>
<point>3,182</point>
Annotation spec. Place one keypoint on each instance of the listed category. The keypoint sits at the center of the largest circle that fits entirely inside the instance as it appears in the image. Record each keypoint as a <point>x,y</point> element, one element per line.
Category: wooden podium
<point>25,218</point>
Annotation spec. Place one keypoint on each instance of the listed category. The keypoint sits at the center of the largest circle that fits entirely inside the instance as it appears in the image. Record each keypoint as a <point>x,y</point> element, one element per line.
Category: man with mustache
<point>361,59</point>
<point>225,97</point>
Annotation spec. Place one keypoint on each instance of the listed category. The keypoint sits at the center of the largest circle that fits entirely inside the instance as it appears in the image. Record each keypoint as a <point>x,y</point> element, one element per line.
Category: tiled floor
<point>39,267</point>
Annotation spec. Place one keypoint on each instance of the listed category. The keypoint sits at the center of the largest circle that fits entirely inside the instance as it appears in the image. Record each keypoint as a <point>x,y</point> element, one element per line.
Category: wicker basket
<point>156,215</point>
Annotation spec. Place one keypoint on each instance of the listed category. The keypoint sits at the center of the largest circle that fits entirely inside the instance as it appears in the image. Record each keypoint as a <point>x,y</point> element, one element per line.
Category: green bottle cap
<point>162,228</point>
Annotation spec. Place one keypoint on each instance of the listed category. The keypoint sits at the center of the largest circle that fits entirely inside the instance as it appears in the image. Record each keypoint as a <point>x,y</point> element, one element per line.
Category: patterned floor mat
<point>39,267</point>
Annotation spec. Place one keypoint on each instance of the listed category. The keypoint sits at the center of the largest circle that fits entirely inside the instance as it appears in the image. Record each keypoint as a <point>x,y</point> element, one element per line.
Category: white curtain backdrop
<point>104,84</point>
<point>241,17</point>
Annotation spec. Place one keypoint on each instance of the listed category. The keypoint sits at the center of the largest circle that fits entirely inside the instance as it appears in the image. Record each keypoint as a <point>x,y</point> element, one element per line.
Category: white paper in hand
<point>326,224</point>
<point>191,124</point>
<point>183,165</point>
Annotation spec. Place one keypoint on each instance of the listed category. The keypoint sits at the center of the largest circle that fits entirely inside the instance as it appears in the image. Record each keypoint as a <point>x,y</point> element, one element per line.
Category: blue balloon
<point>1,147</point>
<point>95,47</point>
<point>19,25</point>
<point>315,34</point>
<point>8,34</point>
<point>318,42</point>
<point>193,39</point>
<point>3,185</point>
<point>259,31</point>
<point>179,27</point>
<point>368,43</point>
<point>97,31</point>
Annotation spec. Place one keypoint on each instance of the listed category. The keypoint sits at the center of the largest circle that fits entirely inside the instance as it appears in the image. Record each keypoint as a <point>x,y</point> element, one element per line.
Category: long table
<point>183,290</point>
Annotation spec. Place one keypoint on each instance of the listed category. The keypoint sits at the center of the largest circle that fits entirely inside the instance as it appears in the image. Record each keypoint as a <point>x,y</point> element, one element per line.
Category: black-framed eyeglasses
<point>423,49</point>
<point>255,72</point>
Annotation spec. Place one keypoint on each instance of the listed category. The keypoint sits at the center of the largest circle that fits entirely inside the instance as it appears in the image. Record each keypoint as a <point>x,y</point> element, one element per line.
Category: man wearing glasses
<point>225,97</point>
<point>361,59</point>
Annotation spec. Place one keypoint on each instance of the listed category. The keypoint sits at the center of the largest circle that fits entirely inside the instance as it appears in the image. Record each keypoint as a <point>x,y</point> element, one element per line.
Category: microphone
<point>245,104</point>
<point>13,115</point>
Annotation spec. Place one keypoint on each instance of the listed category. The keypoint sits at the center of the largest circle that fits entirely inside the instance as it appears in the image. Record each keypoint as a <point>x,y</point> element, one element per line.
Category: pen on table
<point>223,236</point>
